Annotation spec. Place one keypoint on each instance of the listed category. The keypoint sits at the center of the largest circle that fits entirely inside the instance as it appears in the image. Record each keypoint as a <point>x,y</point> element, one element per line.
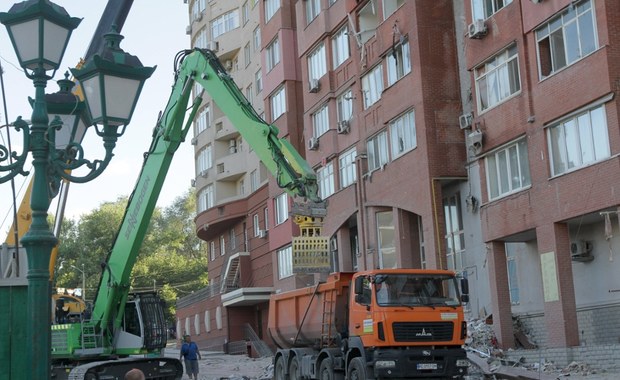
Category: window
<point>316,63</point>
<point>513,280</point>
<point>455,235</point>
<point>232,238</point>
<point>372,86</point>
<point>386,240</point>
<point>203,121</point>
<point>212,250</point>
<point>278,104</point>
<point>256,39</point>
<point>346,163</point>
<point>205,198</point>
<point>377,151</point>
<point>254,180</point>
<point>198,7</point>
<point>508,170</point>
<point>325,179</point>
<point>398,63</point>
<point>247,55</point>
<point>498,79</point>
<point>241,186</point>
<point>578,141</point>
<point>340,46</point>
<point>256,225</point>
<point>313,8</point>
<point>273,54</point>
<point>320,121</point>
<point>249,94</point>
<point>390,6</point>
<point>271,7</point>
<point>201,39</point>
<point>224,23</point>
<point>345,106</point>
<point>566,38</point>
<point>285,262</point>
<point>281,208</point>
<point>245,13</point>
<point>222,245</point>
<point>483,9</point>
<point>258,78</point>
<point>205,160</point>
<point>402,134</point>
<point>266,213</point>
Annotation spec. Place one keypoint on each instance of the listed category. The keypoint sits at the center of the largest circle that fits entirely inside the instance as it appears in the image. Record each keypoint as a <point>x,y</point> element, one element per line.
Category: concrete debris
<point>482,342</point>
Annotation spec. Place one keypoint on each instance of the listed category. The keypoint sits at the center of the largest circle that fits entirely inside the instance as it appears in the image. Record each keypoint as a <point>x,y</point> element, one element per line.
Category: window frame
<point>281,208</point>
<point>372,86</point>
<point>493,168</point>
<point>340,44</point>
<point>401,53</point>
<point>498,72</point>
<point>479,12</point>
<point>272,55</point>
<point>580,135</point>
<point>378,150</point>
<point>271,8</point>
<point>559,24</point>
<point>346,168</point>
<point>277,102</point>
<point>326,180</point>
<point>405,132</point>
<point>317,62</point>
<point>285,262</point>
<point>320,121</point>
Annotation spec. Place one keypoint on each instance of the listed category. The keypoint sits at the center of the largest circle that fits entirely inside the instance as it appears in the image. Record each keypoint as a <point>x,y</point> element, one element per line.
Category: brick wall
<point>599,338</point>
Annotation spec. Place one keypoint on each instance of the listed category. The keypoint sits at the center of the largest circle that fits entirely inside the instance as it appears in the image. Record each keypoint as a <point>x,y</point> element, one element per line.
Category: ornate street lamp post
<point>39,31</point>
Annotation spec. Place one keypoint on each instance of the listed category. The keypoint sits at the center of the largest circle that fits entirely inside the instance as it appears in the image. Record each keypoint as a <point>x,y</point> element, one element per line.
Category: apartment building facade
<point>470,135</point>
<point>544,78</point>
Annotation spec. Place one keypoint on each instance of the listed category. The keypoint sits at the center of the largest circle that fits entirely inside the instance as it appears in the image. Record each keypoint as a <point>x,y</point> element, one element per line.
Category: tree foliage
<point>171,258</point>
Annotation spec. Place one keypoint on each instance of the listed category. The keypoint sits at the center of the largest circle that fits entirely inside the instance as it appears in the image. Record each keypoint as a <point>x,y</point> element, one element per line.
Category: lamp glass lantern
<point>71,111</point>
<point>39,31</point>
<point>111,82</point>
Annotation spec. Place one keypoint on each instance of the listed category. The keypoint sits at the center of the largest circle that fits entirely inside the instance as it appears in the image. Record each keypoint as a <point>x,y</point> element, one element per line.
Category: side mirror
<point>464,290</point>
<point>359,286</point>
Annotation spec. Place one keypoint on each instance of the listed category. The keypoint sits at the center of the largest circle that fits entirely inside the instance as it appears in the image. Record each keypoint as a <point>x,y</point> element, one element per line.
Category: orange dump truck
<point>378,324</point>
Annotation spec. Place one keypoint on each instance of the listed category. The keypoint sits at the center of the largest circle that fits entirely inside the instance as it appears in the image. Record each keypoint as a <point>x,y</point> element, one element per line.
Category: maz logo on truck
<point>424,334</point>
<point>133,217</point>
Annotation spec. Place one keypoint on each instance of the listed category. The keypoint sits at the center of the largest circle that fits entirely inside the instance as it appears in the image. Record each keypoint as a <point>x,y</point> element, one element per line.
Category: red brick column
<point>560,308</point>
<point>500,295</point>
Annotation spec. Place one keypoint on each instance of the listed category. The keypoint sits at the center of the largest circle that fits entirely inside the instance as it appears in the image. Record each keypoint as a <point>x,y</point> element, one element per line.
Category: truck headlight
<point>385,364</point>
<point>462,363</point>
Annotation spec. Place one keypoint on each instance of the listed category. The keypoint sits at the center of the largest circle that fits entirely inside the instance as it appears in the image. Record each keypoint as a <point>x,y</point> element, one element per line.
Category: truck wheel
<point>357,369</point>
<point>279,369</point>
<point>294,370</point>
<point>326,370</point>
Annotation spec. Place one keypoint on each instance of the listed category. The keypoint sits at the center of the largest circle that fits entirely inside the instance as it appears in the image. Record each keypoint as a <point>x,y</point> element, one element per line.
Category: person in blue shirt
<point>190,354</point>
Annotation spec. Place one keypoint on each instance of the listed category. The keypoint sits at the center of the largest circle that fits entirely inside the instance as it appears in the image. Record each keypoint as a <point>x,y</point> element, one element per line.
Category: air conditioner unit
<point>466,120</point>
<point>474,141</point>
<point>194,140</point>
<point>193,183</point>
<point>198,17</point>
<point>477,29</point>
<point>228,65</point>
<point>188,30</point>
<point>262,234</point>
<point>214,46</point>
<point>314,85</point>
<point>313,143</point>
<point>343,127</point>
<point>581,250</point>
<point>204,173</point>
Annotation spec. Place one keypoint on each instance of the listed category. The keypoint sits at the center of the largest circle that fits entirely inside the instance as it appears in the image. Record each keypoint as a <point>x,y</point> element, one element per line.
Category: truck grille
<point>423,331</point>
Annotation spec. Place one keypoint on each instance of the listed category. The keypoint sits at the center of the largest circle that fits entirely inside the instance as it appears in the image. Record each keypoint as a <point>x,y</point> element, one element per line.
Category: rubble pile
<point>482,341</point>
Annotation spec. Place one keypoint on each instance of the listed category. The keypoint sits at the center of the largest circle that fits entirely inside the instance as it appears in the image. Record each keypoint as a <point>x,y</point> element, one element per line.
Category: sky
<point>154,32</point>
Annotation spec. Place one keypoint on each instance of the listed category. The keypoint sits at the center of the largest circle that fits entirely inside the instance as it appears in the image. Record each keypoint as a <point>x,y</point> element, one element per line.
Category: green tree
<point>171,258</point>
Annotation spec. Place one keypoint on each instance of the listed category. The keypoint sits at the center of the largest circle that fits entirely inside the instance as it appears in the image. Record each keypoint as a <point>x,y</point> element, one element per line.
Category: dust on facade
<point>476,136</point>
